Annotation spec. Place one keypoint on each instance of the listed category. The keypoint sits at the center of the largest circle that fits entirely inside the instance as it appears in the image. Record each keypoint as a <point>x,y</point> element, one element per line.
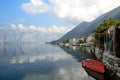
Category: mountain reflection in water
<point>36,61</point>
<point>77,53</point>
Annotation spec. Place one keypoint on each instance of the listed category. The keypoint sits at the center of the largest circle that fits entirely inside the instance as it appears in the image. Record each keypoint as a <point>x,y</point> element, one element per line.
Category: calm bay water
<point>35,61</point>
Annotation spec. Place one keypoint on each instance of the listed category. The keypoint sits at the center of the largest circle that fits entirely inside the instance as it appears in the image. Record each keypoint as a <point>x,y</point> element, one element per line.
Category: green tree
<point>81,41</point>
<point>66,41</point>
<point>107,24</point>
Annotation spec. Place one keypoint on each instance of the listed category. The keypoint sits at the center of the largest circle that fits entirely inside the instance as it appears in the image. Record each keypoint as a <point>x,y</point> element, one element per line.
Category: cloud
<point>52,29</point>
<point>82,10</point>
<point>73,11</point>
<point>13,26</point>
<point>43,34</point>
<point>20,26</point>
<point>35,6</point>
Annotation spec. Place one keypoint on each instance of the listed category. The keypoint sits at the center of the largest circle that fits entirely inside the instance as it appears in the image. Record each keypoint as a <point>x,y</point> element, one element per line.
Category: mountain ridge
<point>85,28</point>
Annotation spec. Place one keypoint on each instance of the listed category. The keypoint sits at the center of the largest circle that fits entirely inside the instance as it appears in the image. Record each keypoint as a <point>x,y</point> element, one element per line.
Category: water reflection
<point>18,49</point>
<point>32,59</point>
<point>78,54</point>
<point>39,62</point>
<point>82,52</point>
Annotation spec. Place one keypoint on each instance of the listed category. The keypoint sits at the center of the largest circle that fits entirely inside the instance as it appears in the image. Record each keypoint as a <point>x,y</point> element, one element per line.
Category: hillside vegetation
<point>107,24</point>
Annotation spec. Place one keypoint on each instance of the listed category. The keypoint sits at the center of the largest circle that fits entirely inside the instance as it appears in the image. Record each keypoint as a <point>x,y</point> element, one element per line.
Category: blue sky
<point>60,13</point>
<point>11,12</point>
<point>57,16</point>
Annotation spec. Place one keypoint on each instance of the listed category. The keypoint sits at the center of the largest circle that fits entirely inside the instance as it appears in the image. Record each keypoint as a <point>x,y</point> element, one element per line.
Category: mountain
<point>11,35</point>
<point>18,35</point>
<point>86,28</point>
<point>76,32</point>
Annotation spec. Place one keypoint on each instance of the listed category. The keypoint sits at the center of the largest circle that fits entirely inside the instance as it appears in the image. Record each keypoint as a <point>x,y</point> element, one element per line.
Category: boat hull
<point>93,65</point>
<point>94,74</point>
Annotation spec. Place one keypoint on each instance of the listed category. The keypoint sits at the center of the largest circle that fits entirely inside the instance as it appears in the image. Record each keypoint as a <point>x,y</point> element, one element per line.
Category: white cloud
<point>13,26</point>
<point>82,10</point>
<point>43,34</point>
<point>20,26</point>
<point>33,27</point>
<point>52,29</point>
<point>73,11</point>
<point>35,6</point>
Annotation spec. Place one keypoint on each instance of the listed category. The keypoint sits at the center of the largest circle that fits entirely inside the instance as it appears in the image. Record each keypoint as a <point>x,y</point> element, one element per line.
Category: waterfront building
<point>108,41</point>
<point>111,55</point>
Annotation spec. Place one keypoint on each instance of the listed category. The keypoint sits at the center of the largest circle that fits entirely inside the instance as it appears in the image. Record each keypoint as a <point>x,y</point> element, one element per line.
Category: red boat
<point>94,74</point>
<point>93,65</point>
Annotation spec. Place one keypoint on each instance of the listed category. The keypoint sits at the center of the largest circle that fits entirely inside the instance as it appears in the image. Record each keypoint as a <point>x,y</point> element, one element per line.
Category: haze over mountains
<point>86,28</point>
<point>16,35</point>
<point>83,29</point>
